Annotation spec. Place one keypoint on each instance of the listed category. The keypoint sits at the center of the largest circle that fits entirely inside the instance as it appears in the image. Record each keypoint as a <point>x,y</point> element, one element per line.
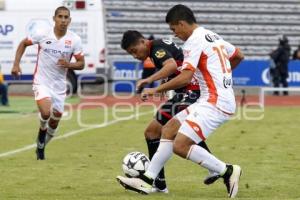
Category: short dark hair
<point>61,8</point>
<point>180,12</point>
<point>130,37</point>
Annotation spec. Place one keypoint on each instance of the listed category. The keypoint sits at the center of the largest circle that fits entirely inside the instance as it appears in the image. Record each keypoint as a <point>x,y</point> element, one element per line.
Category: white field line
<point>75,132</point>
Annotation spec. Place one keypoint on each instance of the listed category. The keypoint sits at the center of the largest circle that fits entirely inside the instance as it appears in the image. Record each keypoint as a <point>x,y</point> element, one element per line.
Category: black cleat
<point>40,145</point>
<point>40,154</point>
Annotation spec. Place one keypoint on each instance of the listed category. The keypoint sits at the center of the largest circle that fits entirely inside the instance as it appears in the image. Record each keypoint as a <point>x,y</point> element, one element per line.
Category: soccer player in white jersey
<point>210,59</point>
<point>56,47</point>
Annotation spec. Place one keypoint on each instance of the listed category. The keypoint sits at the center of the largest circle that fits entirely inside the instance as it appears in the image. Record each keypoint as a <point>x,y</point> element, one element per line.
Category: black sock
<point>228,171</point>
<point>42,136</point>
<point>160,181</point>
<point>146,179</point>
<point>204,146</point>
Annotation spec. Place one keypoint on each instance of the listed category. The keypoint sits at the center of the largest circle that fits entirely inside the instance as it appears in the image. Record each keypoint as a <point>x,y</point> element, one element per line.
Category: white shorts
<point>57,99</point>
<point>199,120</point>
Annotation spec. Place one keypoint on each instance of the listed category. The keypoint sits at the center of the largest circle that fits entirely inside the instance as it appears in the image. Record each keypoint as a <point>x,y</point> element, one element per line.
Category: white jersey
<point>208,55</point>
<point>50,49</point>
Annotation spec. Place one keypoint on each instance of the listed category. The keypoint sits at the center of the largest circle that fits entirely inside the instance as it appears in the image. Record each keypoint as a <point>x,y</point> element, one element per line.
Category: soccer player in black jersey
<point>167,58</point>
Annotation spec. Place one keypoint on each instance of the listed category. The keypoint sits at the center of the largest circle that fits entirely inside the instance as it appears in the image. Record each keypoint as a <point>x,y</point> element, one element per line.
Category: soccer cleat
<point>136,185</point>
<point>211,178</point>
<point>160,185</point>
<point>231,179</point>
<point>40,153</point>
<point>165,191</point>
<point>40,145</point>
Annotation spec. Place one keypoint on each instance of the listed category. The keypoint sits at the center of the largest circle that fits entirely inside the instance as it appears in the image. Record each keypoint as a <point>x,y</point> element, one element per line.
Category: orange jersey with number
<point>207,54</point>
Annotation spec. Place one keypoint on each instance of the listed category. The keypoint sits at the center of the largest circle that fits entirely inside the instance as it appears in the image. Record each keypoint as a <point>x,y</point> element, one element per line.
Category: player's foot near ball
<point>231,179</point>
<point>136,185</point>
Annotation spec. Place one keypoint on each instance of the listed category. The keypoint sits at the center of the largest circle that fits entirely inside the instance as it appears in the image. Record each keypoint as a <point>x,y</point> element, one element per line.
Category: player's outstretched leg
<point>212,176</point>
<point>231,179</point>
<point>160,181</point>
<point>40,149</point>
<point>152,135</point>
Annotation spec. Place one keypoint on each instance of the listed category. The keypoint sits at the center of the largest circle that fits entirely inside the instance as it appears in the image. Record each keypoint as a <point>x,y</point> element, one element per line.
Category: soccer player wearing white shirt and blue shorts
<point>209,59</point>
<point>56,46</point>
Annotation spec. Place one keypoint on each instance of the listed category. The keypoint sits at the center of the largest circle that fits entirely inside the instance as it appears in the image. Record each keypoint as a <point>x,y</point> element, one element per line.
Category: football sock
<point>162,155</point>
<point>41,137</point>
<point>200,156</point>
<point>204,146</point>
<point>43,122</point>
<point>160,181</point>
<point>50,134</point>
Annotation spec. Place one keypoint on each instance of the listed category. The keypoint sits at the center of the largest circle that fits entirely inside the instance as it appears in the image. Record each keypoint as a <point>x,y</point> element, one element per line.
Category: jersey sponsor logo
<point>54,51</point>
<point>212,38</point>
<point>227,82</point>
<point>68,43</point>
<point>160,53</point>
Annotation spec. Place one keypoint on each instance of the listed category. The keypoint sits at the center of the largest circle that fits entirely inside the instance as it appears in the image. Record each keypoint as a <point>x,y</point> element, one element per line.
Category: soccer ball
<point>135,164</point>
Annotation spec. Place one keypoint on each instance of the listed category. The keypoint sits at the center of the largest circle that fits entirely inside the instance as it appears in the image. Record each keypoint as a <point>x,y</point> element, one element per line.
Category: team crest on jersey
<point>68,43</point>
<point>160,53</point>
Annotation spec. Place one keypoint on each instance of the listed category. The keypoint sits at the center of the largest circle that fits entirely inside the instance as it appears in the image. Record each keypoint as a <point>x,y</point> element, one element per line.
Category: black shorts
<point>179,102</point>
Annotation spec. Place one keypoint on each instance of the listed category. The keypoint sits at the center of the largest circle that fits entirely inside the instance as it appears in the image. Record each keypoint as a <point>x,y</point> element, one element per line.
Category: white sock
<point>43,122</point>
<point>162,155</point>
<point>200,156</point>
<point>50,134</point>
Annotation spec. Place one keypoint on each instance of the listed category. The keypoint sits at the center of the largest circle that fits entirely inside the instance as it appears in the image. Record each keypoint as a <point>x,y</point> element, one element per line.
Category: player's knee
<point>55,117</point>
<point>152,133</point>
<point>182,145</point>
<point>169,130</point>
<point>45,114</point>
<point>168,133</point>
<point>178,148</point>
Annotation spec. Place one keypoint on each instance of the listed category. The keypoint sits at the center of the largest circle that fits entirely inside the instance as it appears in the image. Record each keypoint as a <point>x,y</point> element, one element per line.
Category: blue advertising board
<point>256,73</point>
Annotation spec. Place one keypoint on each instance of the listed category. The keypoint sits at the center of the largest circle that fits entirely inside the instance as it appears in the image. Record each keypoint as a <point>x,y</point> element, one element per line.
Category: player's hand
<point>148,92</point>
<point>141,84</point>
<point>16,71</point>
<point>62,62</point>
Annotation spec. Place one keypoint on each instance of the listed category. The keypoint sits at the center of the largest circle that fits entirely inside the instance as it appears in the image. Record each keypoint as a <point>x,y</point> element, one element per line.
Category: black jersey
<point>161,50</point>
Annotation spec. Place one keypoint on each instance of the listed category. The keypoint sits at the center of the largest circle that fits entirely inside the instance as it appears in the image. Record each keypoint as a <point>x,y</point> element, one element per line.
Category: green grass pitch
<point>84,166</point>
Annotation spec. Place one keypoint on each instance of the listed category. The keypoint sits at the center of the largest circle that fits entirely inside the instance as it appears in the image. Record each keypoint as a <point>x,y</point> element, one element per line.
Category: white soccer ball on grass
<point>135,164</point>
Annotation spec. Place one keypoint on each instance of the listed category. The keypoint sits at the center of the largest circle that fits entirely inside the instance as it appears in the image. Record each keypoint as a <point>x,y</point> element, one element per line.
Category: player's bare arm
<point>183,79</point>
<point>169,67</point>
<point>236,59</point>
<point>78,65</point>
<point>16,70</point>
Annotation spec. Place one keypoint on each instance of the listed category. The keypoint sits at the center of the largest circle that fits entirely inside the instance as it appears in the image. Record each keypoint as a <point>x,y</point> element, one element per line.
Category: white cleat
<point>232,182</point>
<point>165,191</point>
<point>136,185</point>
